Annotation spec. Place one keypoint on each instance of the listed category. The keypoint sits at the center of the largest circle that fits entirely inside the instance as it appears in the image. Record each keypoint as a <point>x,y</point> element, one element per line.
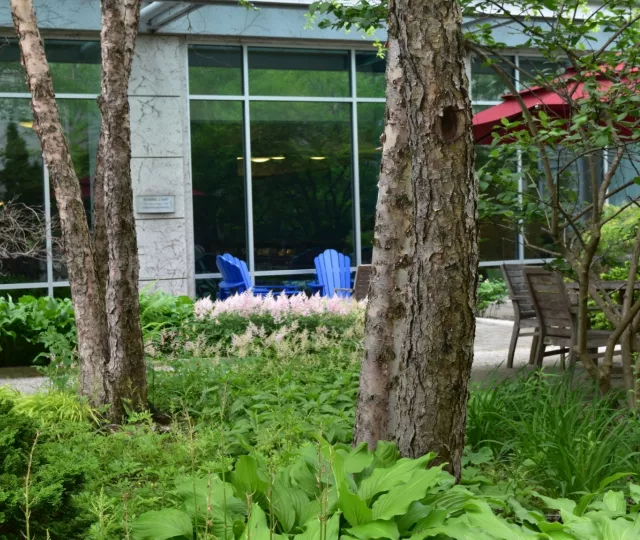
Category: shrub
<point>490,291</point>
<point>55,478</point>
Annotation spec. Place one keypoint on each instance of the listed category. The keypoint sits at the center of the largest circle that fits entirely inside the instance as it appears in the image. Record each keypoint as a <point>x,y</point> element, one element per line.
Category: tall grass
<point>558,436</point>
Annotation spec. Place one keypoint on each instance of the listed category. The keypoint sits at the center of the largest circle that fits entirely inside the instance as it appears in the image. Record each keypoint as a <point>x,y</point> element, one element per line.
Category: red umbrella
<point>536,99</point>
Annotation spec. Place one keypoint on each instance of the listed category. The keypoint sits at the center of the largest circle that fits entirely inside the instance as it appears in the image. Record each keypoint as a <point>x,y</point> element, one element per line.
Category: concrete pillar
<point>160,161</point>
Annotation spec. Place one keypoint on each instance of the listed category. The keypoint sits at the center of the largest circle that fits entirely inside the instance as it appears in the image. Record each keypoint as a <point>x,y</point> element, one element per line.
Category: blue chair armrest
<point>315,286</point>
<point>233,285</point>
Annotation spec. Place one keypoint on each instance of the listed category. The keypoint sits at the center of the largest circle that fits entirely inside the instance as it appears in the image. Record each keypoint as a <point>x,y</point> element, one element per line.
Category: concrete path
<point>491,349</point>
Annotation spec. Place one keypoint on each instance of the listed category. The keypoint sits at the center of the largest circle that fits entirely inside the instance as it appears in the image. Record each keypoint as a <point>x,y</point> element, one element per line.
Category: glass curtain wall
<point>286,154</point>
<point>75,68</point>
<point>275,173</point>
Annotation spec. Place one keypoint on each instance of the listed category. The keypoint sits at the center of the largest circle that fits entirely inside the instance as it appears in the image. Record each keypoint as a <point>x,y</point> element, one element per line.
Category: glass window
<point>207,288</point>
<point>21,182</point>
<point>75,66</point>
<point>498,237</point>
<point>533,68</point>
<point>290,72</point>
<point>486,84</point>
<point>302,182</point>
<point>217,155</point>
<point>215,70</point>
<point>370,75</point>
<point>629,169</point>
<point>370,127</point>
<point>80,120</point>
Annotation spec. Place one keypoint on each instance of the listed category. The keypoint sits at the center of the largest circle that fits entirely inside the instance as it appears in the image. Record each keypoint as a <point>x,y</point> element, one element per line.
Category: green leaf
<point>481,516</point>
<point>398,500</point>
<point>257,528</point>
<point>614,501</point>
<point>199,493</point>
<point>384,479</point>
<point>314,531</point>
<point>565,505</point>
<point>358,459</point>
<point>245,477</point>
<point>375,529</point>
<point>161,525</point>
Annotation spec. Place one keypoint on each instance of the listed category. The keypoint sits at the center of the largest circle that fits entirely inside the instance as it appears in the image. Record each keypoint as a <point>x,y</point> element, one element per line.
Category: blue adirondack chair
<point>236,279</point>
<point>333,271</point>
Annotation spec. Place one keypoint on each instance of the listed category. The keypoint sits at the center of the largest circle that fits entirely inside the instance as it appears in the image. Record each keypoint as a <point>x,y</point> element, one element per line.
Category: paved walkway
<point>491,349</point>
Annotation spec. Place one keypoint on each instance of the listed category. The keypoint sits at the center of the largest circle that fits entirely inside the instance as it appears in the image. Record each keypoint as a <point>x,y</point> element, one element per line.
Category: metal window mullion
<point>47,224</point>
<point>356,164</point>
<point>521,186</point>
<point>247,163</point>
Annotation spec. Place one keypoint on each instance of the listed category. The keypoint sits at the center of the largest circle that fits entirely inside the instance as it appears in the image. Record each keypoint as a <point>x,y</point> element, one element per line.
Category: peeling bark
<point>126,372</point>
<point>425,259</point>
<point>88,302</point>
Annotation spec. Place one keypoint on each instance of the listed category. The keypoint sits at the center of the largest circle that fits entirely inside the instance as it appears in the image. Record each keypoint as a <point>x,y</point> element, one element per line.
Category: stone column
<point>160,161</point>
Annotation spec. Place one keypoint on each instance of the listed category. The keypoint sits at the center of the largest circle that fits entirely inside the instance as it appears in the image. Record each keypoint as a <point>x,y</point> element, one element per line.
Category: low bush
<point>489,292</point>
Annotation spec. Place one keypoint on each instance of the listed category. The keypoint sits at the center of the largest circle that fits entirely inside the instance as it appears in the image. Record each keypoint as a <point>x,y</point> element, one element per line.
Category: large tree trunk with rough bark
<point>126,373</point>
<point>420,320</point>
<point>88,301</point>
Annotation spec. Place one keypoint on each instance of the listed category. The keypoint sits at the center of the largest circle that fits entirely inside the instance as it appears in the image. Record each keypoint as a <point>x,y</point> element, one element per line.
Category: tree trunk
<point>434,327</point>
<point>126,373</point>
<point>392,252</point>
<point>88,302</point>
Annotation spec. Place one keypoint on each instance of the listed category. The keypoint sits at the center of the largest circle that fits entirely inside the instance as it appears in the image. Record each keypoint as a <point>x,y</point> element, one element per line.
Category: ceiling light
<point>318,158</point>
<point>28,125</point>
<point>260,159</point>
<point>278,158</point>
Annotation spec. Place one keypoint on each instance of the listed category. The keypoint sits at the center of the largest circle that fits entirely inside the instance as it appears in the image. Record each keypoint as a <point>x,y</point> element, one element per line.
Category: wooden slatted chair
<point>523,310</point>
<point>558,327</point>
<point>360,289</point>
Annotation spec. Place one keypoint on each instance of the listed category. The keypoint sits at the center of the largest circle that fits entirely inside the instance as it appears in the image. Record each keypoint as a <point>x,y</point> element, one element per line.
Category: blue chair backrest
<point>230,271</point>
<point>242,268</point>
<point>334,272</point>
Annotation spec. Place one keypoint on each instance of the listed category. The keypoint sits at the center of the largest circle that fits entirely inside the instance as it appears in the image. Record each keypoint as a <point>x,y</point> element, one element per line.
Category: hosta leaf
<point>162,525</point>
<point>287,504</point>
<point>358,459</point>
<point>458,528</point>
<point>257,528</point>
<point>416,512</point>
<point>481,516</point>
<point>314,531</point>
<point>614,501</point>
<point>355,510</point>
<point>398,500</point>
<point>565,505</point>
<point>246,478</point>
<point>435,518</point>
<point>384,479</point>
<point>199,493</point>
<point>375,529</point>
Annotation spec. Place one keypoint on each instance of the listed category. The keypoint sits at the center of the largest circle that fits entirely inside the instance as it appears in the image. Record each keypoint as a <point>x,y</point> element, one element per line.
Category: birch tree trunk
<point>88,301</point>
<point>126,373</point>
<point>420,365</point>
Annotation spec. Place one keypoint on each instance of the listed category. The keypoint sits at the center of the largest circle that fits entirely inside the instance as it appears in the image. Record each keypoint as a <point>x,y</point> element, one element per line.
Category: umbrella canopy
<point>538,99</point>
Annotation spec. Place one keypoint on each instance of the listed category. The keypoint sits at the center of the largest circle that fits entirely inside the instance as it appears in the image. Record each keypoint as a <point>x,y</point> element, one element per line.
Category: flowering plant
<point>279,307</point>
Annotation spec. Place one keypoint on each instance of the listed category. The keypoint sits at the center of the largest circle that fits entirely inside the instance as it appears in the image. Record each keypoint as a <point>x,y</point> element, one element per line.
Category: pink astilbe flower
<point>279,307</point>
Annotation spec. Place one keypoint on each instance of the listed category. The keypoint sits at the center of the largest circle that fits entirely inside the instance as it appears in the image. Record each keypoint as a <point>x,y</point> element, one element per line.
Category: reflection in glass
<point>74,65</point>
<point>207,288</point>
<point>215,70</point>
<point>302,182</point>
<point>291,72</point>
<point>217,157</point>
<point>80,120</point>
<point>21,181</point>
<point>628,170</point>
<point>370,75</point>
<point>535,68</point>
<point>486,84</point>
<point>370,127</point>
<point>498,237</point>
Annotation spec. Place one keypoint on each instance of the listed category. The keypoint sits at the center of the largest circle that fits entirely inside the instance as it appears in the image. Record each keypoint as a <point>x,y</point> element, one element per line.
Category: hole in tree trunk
<point>451,124</point>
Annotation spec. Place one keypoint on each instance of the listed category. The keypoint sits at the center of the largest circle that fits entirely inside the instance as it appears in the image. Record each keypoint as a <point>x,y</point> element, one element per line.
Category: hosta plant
<point>336,492</point>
